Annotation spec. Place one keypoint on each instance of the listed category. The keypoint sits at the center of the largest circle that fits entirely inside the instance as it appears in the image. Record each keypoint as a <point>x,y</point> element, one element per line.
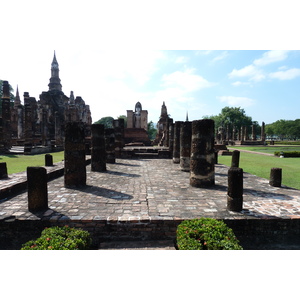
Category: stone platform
<point>146,199</point>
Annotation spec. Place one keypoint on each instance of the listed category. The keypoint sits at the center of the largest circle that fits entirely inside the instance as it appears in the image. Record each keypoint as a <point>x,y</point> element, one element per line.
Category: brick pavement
<point>144,190</point>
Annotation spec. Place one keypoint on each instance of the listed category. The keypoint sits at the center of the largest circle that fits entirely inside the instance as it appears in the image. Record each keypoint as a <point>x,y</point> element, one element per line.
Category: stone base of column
<point>234,204</point>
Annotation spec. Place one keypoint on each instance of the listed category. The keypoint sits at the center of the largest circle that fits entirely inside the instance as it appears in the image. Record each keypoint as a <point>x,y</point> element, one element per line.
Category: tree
<point>152,131</point>
<point>284,129</point>
<point>106,121</point>
<point>125,120</point>
<point>233,116</point>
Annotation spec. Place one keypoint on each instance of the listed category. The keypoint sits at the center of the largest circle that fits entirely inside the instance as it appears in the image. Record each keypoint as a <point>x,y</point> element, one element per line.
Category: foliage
<point>151,130</point>
<point>284,129</point>
<point>233,116</point>
<point>206,234</point>
<point>287,154</point>
<point>60,238</point>
<point>106,121</point>
<point>125,120</point>
<point>19,163</point>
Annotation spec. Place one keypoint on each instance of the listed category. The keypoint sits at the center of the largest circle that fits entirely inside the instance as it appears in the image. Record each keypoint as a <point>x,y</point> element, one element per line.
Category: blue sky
<point>106,54</point>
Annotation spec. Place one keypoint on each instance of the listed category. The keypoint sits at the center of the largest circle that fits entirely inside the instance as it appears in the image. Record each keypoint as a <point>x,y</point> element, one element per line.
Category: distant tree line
<point>284,129</point>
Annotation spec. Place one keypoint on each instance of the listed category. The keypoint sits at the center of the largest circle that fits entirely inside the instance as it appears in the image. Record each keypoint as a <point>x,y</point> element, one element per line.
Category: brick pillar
<point>3,170</point>
<point>185,145</point>
<point>275,177</point>
<point>171,138</point>
<point>48,160</point>
<point>110,145</point>
<point>263,135</point>
<point>6,116</point>
<point>176,149</point>
<point>37,188</point>
<point>235,189</point>
<point>253,133</point>
<point>235,159</point>
<point>75,165</point>
<point>202,154</point>
<point>98,161</point>
<point>118,138</point>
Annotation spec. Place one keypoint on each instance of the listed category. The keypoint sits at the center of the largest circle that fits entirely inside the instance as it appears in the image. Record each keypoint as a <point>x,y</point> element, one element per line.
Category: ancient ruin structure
<point>137,125</point>
<point>41,122</point>
<point>162,136</point>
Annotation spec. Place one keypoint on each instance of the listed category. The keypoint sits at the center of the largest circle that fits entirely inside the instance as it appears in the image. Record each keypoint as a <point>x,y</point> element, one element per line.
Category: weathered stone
<point>37,189</point>
<point>3,170</point>
<point>275,177</point>
<point>48,160</point>
<point>185,146</point>
<point>118,136</point>
<point>75,165</point>
<point>110,145</point>
<point>176,147</point>
<point>235,189</point>
<point>98,154</point>
<point>171,137</point>
<point>202,164</point>
<point>235,159</point>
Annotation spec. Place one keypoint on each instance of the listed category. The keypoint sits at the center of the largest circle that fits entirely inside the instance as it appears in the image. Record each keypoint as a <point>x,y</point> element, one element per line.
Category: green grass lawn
<point>19,163</point>
<point>261,165</point>
<point>267,149</point>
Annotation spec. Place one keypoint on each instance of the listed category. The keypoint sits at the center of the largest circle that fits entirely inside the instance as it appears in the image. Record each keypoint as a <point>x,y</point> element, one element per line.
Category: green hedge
<point>60,238</point>
<point>287,153</point>
<point>206,234</point>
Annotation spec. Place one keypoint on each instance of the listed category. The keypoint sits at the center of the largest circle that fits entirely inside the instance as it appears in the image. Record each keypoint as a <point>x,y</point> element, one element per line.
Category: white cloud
<point>181,60</point>
<point>271,57</point>
<point>239,83</point>
<point>223,55</point>
<point>237,101</point>
<point>187,80</point>
<point>286,75</point>
<point>251,71</point>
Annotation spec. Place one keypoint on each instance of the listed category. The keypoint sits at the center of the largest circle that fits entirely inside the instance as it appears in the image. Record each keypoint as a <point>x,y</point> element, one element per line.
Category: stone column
<point>48,160</point>
<point>253,133</point>
<point>110,145</point>
<point>118,138</point>
<point>185,146</point>
<point>98,160</point>
<point>37,188</point>
<point>275,177</point>
<point>75,164</point>
<point>263,135</point>
<point>171,138</point>
<point>235,189</point>
<point>202,154</point>
<point>3,170</point>
<point>6,116</point>
<point>176,149</point>
<point>235,159</point>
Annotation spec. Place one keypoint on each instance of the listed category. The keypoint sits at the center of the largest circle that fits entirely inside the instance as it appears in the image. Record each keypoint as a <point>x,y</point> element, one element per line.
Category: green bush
<point>60,238</point>
<point>206,234</point>
<point>287,153</point>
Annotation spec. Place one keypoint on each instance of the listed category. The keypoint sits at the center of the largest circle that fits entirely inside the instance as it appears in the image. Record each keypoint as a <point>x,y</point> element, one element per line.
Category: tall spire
<point>187,117</point>
<point>54,80</point>
<point>17,98</point>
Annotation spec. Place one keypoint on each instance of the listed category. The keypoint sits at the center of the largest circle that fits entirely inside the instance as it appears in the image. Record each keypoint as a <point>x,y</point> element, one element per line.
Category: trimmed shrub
<point>60,238</point>
<point>287,153</point>
<point>206,234</point>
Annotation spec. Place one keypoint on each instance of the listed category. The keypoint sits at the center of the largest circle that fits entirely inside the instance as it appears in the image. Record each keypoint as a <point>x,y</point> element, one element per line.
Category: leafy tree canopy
<point>284,129</point>
<point>152,131</point>
<point>106,121</point>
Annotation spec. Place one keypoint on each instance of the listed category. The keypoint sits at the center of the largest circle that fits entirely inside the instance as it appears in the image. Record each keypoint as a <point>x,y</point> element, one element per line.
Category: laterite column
<point>37,188</point>
<point>110,145</point>
<point>202,154</point>
<point>48,160</point>
<point>3,170</point>
<point>185,146</point>
<point>235,159</point>
<point>75,165</point>
<point>98,160</point>
<point>176,146</point>
<point>235,189</point>
<point>275,177</point>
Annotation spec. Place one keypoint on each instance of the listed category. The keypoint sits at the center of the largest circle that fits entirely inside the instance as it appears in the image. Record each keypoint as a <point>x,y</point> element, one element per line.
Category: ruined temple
<point>42,122</point>
<point>137,126</point>
<point>162,135</point>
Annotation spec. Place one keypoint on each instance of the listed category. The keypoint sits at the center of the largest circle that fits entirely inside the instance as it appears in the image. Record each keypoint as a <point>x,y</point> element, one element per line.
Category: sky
<point>108,53</point>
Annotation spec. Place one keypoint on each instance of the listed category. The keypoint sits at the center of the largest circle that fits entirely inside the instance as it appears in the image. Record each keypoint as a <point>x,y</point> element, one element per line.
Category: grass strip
<point>19,163</point>
<point>261,165</point>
